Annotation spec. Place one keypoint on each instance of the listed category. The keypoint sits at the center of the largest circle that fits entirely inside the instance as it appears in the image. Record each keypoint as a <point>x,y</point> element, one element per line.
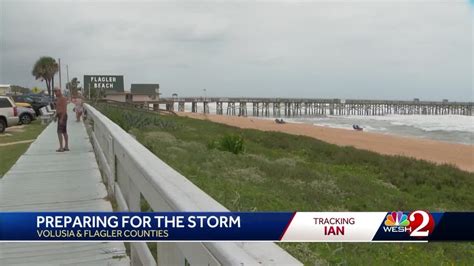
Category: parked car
<point>25,115</point>
<point>27,105</point>
<point>36,103</point>
<point>8,113</point>
<point>39,97</point>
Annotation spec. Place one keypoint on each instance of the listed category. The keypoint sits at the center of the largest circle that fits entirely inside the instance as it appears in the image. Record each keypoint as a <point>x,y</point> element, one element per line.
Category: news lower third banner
<point>418,226</point>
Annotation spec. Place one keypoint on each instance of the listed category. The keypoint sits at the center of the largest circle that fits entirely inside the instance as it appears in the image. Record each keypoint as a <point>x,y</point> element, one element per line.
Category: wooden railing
<point>131,172</point>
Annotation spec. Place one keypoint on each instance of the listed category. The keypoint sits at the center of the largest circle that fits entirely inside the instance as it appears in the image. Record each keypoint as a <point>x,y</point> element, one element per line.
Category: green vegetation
<point>128,119</point>
<point>73,86</point>
<point>230,143</point>
<point>44,69</point>
<point>11,153</point>
<point>19,89</point>
<point>281,172</point>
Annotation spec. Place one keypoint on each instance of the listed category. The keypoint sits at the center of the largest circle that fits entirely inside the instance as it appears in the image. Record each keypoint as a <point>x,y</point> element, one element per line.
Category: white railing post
<point>133,202</point>
<point>169,254</point>
<point>133,197</point>
<point>112,165</point>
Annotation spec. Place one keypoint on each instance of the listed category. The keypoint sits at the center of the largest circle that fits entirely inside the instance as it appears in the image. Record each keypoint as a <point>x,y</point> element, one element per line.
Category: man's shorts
<point>62,124</point>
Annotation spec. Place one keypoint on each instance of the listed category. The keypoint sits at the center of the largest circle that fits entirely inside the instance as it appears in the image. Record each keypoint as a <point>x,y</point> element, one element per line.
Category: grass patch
<point>23,132</point>
<point>281,172</point>
<point>10,154</point>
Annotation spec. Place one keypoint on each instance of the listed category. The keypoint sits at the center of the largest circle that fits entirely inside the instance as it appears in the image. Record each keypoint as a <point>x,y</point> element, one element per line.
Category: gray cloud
<point>362,49</point>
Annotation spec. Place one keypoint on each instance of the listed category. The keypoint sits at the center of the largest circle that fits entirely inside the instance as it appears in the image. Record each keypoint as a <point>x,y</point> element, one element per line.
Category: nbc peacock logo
<point>397,222</point>
<point>397,219</point>
<point>419,223</point>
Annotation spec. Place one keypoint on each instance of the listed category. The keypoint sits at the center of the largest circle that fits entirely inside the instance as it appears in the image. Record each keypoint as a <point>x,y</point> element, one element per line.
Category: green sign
<point>104,83</point>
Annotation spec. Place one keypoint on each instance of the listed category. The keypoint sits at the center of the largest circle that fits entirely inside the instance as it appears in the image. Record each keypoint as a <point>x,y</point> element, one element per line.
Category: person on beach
<point>61,118</point>
<point>78,108</point>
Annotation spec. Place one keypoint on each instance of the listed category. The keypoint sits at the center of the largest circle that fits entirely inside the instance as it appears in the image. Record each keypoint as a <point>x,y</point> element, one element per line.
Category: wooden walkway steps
<point>45,180</point>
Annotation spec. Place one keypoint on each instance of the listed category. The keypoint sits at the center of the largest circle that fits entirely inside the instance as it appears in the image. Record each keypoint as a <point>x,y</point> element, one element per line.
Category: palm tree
<point>45,69</point>
<point>73,86</point>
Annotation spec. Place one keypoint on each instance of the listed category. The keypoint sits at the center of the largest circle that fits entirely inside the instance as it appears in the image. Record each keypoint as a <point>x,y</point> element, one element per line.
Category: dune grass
<point>281,172</point>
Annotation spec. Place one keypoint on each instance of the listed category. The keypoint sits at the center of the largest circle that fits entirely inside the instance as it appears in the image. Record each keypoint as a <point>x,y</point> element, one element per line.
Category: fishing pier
<point>313,107</point>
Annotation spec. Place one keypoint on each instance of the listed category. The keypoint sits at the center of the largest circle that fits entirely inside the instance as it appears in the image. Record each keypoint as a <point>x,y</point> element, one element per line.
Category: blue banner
<point>418,225</point>
<point>103,226</point>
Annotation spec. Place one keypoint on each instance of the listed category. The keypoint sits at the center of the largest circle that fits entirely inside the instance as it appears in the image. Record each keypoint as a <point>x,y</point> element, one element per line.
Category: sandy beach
<point>459,155</point>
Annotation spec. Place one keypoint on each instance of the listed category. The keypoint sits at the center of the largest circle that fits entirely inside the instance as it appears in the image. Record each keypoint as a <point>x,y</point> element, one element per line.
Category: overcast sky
<point>385,49</point>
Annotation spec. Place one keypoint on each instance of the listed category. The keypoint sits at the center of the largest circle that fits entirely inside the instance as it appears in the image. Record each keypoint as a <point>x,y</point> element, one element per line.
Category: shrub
<point>213,145</point>
<point>232,143</point>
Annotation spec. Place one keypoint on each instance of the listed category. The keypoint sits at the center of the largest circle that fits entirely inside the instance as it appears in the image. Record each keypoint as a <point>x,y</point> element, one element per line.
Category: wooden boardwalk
<point>45,180</point>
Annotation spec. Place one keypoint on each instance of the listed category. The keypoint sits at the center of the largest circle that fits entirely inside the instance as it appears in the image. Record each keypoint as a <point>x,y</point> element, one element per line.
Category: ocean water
<point>450,128</point>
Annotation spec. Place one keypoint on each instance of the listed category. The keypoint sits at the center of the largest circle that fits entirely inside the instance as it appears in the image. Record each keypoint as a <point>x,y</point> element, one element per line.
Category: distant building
<point>5,89</point>
<point>118,96</point>
<point>145,92</point>
<point>139,93</point>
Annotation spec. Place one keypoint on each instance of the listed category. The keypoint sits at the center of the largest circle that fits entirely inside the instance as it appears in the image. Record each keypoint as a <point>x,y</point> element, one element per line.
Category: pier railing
<point>132,173</point>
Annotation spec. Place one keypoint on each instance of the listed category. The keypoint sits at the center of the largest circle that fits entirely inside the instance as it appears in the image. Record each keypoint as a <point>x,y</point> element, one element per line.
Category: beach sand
<point>459,155</point>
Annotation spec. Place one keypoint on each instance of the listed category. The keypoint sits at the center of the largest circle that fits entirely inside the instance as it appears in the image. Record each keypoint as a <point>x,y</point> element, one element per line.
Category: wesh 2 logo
<point>417,223</point>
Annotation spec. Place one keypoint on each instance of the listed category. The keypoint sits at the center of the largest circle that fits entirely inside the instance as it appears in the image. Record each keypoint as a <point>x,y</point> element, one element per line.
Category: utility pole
<point>68,82</point>
<point>59,60</point>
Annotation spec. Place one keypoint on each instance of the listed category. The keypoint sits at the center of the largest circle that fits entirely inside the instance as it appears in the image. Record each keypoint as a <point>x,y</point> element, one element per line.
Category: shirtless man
<point>61,116</point>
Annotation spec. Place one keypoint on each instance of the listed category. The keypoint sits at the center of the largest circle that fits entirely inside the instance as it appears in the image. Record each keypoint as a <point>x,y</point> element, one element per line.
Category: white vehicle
<point>26,115</point>
<point>8,113</point>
